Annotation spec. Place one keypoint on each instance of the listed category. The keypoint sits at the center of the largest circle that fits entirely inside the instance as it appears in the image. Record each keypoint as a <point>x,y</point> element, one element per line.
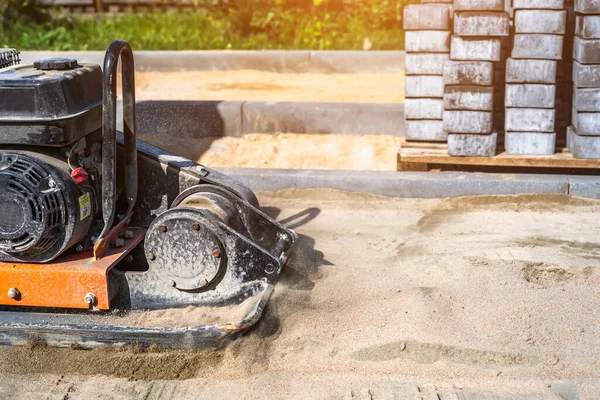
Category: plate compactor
<point>99,231</point>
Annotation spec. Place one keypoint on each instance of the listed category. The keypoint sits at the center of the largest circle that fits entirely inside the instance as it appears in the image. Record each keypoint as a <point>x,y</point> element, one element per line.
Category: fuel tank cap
<point>59,64</point>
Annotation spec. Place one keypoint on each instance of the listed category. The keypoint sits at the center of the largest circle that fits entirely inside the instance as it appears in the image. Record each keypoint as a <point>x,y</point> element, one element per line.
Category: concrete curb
<point>298,61</point>
<point>585,186</point>
<point>187,119</point>
<point>316,117</point>
<point>415,184</point>
<point>195,119</point>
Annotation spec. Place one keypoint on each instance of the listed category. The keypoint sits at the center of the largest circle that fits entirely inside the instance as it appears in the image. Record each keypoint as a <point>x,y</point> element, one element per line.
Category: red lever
<point>80,175</point>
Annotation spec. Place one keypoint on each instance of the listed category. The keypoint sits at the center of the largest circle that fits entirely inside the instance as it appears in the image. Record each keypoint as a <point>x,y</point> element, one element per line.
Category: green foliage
<point>12,11</point>
<point>226,24</point>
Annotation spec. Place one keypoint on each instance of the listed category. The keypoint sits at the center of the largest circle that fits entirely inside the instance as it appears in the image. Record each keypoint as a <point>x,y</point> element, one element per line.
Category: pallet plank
<point>419,158</point>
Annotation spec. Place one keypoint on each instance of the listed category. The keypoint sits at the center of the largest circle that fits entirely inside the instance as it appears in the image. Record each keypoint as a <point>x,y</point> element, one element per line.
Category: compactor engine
<point>50,159</point>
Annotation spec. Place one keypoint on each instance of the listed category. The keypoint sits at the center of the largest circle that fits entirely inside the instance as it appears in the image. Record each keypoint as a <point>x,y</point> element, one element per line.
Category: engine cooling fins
<point>9,57</point>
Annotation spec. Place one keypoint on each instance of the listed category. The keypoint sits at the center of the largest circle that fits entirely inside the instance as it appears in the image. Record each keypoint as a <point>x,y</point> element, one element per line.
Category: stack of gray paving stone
<point>427,47</point>
<point>583,135</point>
<point>479,26</point>
<point>531,76</point>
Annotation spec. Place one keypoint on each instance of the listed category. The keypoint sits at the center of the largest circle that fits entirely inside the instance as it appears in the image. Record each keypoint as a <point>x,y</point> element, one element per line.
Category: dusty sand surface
<point>247,85</point>
<point>485,297</point>
<point>286,150</point>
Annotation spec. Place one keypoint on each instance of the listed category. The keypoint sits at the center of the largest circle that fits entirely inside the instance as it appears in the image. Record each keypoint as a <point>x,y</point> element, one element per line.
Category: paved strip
<point>236,118</point>
<point>264,60</point>
<point>317,117</point>
<point>414,184</point>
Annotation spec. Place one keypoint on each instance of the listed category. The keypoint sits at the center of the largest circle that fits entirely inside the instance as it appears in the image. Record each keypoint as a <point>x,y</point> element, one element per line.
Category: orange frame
<point>65,282</point>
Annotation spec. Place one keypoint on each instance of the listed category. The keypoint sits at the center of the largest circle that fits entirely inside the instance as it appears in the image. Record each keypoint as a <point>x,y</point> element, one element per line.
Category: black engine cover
<point>50,107</point>
<point>43,211</point>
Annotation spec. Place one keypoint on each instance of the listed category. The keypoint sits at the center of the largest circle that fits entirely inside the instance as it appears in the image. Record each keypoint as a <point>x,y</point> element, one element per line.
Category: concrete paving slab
<point>427,41</point>
<point>309,117</point>
<point>587,100</point>
<point>518,95</point>
<point>479,73</point>
<point>538,4</point>
<point>586,51</point>
<point>189,118</point>
<point>479,5</point>
<point>426,17</point>
<point>540,21</point>
<point>426,63</point>
<point>344,61</point>
<point>475,49</point>
<point>481,23</point>
<point>479,122</point>
<point>530,143</point>
<point>586,76</point>
<point>425,130</point>
<point>530,120</point>
<point>587,6</point>
<point>424,108</point>
<point>401,184</point>
<point>537,46</point>
<point>468,145</point>
<point>475,98</point>
<point>586,123</point>
<point>269,60</point>
<point>236,118</point>
<point>587,147</point>
<point>531,71</point>
<point>588,26</point>
<point>584,186</point>
<point>417,86</point>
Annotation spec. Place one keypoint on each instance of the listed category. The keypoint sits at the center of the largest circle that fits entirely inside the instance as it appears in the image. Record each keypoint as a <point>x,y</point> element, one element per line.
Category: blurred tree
<point>216,24</point>
<point>21,11</point>
<point>2,7</point>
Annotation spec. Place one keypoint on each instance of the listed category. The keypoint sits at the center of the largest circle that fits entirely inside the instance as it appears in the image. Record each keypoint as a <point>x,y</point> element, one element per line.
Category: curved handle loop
<point>119,49</point>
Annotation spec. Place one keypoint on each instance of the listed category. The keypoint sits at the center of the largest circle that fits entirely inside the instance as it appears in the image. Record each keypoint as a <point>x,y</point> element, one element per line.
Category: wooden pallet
<point>417,156</point>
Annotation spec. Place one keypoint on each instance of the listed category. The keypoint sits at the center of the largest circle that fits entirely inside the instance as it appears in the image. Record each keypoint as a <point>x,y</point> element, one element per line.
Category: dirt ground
<point>287,150</point>
<point>269,86</point>
<point>469,298</point>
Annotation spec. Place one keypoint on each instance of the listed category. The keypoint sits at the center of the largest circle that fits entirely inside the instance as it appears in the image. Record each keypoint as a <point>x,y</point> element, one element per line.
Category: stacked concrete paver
<point>461,88</point>
<point>531,76</point>
<point>475,46</point>
<point>427,47</point>
<point>584,134</point>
